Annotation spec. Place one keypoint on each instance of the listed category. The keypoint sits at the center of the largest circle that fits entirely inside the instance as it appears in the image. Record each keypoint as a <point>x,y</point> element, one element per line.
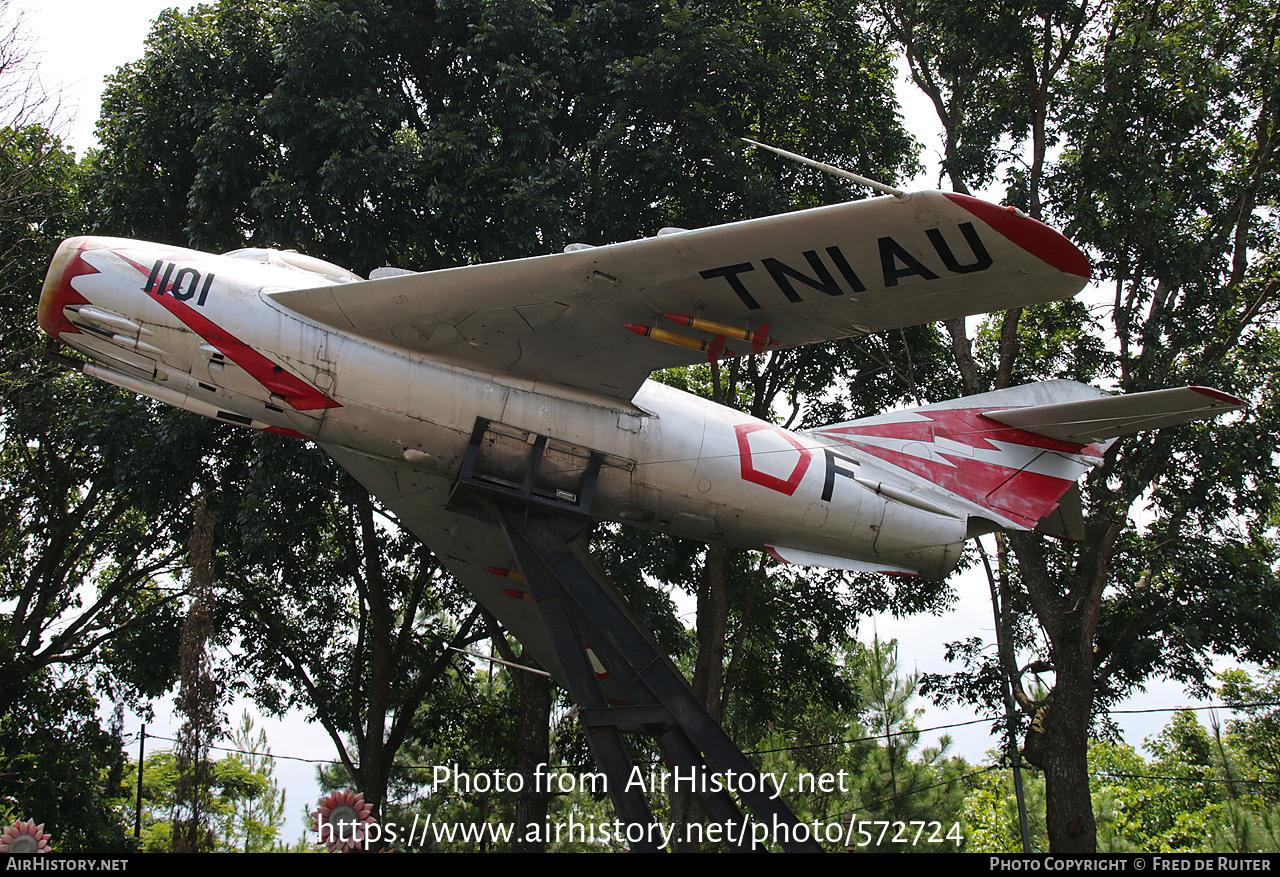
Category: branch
<point>409,706</point>
<point>299,671</point>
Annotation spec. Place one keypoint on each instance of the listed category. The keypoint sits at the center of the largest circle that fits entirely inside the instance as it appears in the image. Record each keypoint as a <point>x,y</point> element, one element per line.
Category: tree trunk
<point>708,673</point>
<point>713,622</point>
<point>1057,743</point>
<point>533,748</point>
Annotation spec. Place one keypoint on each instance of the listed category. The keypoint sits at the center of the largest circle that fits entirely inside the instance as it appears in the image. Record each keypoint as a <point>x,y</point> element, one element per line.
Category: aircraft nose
<point>58,292</point>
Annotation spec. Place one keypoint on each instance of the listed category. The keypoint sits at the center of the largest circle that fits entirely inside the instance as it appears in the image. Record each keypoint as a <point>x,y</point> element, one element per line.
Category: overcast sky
<point>78,44</point>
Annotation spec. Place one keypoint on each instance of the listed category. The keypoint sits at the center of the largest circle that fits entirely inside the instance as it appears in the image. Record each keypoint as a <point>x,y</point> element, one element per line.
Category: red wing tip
<point>1219,396</point>
<point>1032,235</point>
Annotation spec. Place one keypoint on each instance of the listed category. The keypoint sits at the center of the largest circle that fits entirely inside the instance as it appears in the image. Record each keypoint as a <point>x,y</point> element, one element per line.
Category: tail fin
<point>1016,453</point>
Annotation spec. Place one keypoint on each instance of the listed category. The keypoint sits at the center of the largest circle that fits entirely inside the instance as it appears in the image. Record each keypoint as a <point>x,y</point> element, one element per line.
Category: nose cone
<point>58,292</point>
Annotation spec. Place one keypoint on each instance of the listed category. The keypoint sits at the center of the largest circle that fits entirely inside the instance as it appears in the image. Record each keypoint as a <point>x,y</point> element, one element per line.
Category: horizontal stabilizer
<point>1016,453</point>
<point>1108,417</point>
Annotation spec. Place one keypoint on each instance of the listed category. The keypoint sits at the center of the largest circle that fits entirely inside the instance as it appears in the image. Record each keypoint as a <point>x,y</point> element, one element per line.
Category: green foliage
<point>1257,731</point>
<point>59,767</point>
<point>1192,795</point>
<point>991,813</point>
<point>1202,791</point>
<point>397,133</point>
<point>1163,116</point>
<point>40,204</point>
<point>79,599</point>
<point>343,613</point>
<point>1144,807</point>
<point>253,825</point>
<point>868,750</point>
<point>93,499</point>
<point>869,776</point>
<point>474,750</point>
<point>245,805</point>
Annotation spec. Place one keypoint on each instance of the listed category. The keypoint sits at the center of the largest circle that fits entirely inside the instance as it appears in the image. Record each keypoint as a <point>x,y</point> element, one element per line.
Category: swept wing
<point>586,318</point>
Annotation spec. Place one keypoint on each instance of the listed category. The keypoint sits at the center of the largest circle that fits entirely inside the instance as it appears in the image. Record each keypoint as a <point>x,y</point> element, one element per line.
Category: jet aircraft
<point>531,376</point>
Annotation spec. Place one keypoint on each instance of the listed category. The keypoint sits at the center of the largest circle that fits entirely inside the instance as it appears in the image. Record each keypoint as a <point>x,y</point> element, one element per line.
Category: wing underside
<point>474,551</point>
<point>601,319</point>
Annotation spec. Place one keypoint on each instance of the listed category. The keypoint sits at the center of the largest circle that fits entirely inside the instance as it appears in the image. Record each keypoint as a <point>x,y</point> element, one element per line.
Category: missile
<point>714,348</point>
<point>759,339</point>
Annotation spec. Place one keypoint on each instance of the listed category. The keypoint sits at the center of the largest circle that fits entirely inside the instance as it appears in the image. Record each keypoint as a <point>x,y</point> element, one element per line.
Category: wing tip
<point>1221,397</point>
<point>1032,235</point>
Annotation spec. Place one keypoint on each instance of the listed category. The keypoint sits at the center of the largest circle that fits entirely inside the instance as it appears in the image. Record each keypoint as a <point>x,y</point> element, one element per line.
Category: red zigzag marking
<point>301,395</point>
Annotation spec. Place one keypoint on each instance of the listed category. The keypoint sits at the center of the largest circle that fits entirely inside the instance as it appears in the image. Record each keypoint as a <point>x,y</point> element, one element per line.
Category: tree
<point>199,697</point>
<point>871,750</point>
<point>254,823</point>
<point>1166,150</point>
<point>59,766</point>
<point>1257,731</point>
<point>991,820</point>
<point>81,601</point>
<point>235,786</point>
<point>1200,792</point>
<point>1189,299</point>
<point>342,613</point>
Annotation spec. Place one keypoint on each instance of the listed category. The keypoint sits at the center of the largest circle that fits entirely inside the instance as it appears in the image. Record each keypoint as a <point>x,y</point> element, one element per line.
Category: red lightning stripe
<point>1024,496</point>
<point>966,426</point>
<point>301,395</point>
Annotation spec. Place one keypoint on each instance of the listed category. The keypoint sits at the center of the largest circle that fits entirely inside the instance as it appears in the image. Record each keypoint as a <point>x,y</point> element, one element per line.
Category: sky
<point>78,43</point>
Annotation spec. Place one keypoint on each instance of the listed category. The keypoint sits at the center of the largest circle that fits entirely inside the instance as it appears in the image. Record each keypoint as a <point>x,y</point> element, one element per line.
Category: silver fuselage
<point>202,332</point>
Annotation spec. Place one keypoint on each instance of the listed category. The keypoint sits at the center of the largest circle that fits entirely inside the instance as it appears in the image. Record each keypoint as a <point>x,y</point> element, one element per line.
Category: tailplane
<point>1014,456</point>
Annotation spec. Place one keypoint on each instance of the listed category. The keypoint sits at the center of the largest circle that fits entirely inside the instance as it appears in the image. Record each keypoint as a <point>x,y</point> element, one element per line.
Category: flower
<point>343,820</point>
<point>24,837</point>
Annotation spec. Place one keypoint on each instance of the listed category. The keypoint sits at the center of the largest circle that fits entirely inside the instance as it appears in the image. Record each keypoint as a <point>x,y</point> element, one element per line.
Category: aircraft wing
<point>464,545</point>
<point>1109,417</point>
<point>600,319</point>
<point>475,551</point>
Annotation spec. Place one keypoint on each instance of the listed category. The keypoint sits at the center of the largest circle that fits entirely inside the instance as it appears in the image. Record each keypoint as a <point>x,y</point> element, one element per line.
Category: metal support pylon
<point>578,608</point>
<point>542,517</point>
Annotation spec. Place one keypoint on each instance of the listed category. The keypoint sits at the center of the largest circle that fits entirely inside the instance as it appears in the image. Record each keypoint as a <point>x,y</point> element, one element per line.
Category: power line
<point>804,746</point>
<point>1141,776</point>
<point>1213,706</point>
<point>256,754</point>
<point>975,773</point>
<point>868,738</point>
